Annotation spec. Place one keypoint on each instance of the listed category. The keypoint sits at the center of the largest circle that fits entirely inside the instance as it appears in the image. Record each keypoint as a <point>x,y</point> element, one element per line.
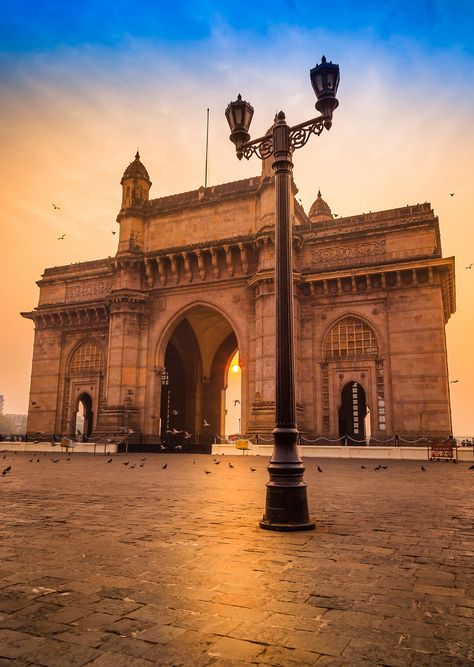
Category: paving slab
<point>104,564</point>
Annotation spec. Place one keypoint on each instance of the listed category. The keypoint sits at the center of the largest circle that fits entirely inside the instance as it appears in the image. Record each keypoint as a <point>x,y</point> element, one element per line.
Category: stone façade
<point>192,282</point>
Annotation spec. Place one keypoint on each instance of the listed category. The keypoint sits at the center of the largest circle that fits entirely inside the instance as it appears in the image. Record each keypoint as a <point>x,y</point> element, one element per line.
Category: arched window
<point>87,358</point>
<point>350,337</point>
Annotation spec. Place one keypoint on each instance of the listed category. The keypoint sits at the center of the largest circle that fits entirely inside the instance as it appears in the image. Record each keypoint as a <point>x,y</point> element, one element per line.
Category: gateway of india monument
<point>143,341</point>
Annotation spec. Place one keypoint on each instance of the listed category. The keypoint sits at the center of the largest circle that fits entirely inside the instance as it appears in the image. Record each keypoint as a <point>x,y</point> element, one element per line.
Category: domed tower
<point>320,211</point>
<point>135,184</point>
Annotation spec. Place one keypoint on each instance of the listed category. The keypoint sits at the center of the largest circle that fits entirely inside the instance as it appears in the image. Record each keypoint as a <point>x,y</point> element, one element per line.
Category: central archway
<point>196,355</point>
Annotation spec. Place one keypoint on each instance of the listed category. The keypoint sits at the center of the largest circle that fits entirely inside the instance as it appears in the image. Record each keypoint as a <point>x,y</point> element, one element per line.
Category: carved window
<point>86,358</point>
<point>351,337</point>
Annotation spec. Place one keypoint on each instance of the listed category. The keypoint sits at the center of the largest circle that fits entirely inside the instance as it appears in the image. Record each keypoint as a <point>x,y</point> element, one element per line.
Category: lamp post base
<point>286,506</point>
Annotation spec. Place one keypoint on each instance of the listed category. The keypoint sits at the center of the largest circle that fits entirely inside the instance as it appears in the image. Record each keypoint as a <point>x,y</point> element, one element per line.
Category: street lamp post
<point>286,506</point>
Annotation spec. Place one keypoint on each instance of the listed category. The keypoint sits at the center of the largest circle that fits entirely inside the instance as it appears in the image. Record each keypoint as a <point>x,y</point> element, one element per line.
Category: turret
<point>135,184</point>
<point>320,211</point>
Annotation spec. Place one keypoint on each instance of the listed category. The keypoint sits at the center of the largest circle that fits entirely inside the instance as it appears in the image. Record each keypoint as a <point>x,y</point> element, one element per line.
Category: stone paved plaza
<point>107,565</point>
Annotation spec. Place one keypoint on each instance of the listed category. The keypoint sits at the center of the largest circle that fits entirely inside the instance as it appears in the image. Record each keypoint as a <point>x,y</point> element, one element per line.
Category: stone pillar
<point>126,372</point>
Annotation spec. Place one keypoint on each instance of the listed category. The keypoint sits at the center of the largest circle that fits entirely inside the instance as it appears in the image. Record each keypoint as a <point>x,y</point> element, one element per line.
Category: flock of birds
<point>128,464</point>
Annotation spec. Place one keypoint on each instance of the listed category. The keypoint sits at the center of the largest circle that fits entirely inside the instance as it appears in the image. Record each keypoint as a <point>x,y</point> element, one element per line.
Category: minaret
<point>135,184</point>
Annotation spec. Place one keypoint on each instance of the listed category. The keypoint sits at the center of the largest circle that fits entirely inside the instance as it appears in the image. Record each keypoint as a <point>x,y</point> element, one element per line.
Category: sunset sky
<point>83,85</point>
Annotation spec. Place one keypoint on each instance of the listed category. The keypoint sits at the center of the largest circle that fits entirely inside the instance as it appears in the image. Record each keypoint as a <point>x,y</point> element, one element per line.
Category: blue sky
<point>29,25</point>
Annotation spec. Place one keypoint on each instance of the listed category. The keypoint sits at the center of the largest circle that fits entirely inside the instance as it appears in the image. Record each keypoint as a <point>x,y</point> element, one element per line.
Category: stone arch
<point>202,339</point>
<point>353,350</point>
<point>84,376</point>
<point>169,327</point>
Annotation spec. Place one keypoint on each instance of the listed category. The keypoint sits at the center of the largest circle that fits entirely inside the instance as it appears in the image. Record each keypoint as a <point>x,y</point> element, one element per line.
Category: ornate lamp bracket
<point>299,135</point>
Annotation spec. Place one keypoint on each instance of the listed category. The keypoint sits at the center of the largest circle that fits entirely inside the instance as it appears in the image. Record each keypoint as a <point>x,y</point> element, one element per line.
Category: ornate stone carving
<point>349,252</point>
<point>88,290</point>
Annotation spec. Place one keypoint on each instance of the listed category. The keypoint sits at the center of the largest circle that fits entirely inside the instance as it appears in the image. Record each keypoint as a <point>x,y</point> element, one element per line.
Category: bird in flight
<point>56,208</point>
<point>451,194</point>
<point>208,472</point>
<point>470,266</point>
<point>320,469</point>
<point>109,461</point>
<point>178,448</point>
<point>237,402</point>
<point>186,435</point>
<point>164,467</point>
<point>205,422</point>
<point>6,471</point>
<point>253,469</point>
<point>230,465</point>
<point>60,238</point>
<point>113,232</point>
<point>174,412</point>
<point>423,468</point>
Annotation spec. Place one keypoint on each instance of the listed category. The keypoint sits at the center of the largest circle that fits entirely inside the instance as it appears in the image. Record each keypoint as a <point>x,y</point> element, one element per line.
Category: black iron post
<point>286,506</point>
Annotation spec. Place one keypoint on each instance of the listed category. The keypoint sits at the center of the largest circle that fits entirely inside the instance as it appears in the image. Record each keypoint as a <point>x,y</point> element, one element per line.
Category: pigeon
<point>174,412</point>
<point>56,208</point>
<point>470,266</point>
<point>109,461</point>
<point>208,472</point>
<point>37,460</point>
<point>164,467</point>
<point>205,422</point>
<point>471,467</point>
<point>230,465</point>
<point>216,463</point>
<point>55,460</point>
<point>132,466</point>
<point>162,447</point>
<point>384,467</point>
<point>186,435</point>
<point>143,459</point>
<point>114,232</point>
<point>451,194</point>
<point>60,238</point>
<point>423,468</point>
<point>237,402</point>
<point>253,469</point>
<point>455,460</point>
<point>125,463</point>
<point>364,467</point>
<point>31,460</point>
<point>6,471</point>
<point>194,463</point>
<point>377,467</point>
<point>178,448</point>
<point>320,469</point>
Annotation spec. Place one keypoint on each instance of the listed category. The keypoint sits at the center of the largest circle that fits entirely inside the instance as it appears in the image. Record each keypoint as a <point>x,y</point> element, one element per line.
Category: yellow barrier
<point>242,444</point>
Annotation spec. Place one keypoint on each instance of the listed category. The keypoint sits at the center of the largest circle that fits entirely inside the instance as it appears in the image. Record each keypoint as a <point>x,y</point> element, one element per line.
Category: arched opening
<point>84,416</point>
<point>352,412</point>
<point>233,398</point>
<point>83,390</point>
<point>195,378</point>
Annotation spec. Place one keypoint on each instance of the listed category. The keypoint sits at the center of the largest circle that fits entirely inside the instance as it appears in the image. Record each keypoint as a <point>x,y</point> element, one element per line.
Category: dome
<point>136,170</point>
<point>320,211</point>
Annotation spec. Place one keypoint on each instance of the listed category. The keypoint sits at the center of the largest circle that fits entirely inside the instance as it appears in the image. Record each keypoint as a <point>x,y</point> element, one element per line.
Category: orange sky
<point>73,119</point>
